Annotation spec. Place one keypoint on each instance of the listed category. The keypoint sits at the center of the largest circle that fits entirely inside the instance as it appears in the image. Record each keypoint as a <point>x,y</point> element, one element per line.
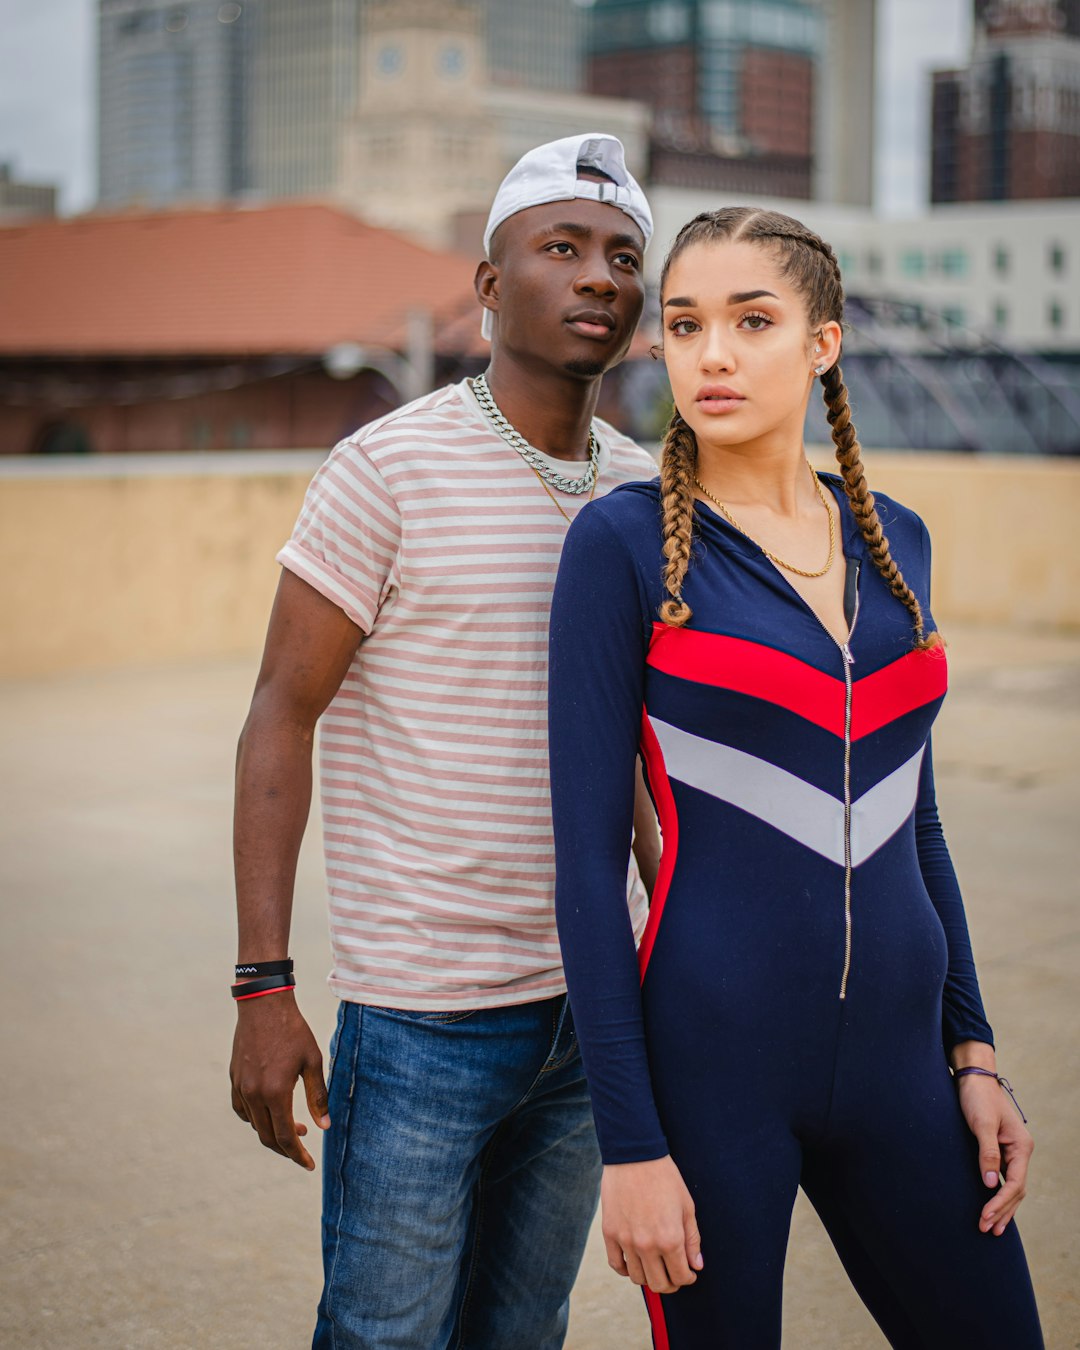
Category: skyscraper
<point>739,93</point>
<point>1007,125</point>
<point>171,99</point>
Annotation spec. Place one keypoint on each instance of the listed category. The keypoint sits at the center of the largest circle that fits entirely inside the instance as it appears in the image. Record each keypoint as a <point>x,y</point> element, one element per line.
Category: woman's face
<point>738,345</point>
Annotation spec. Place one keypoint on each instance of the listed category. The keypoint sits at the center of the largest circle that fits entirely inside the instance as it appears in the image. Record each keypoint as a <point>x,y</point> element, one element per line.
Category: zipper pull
<point>847,653</point>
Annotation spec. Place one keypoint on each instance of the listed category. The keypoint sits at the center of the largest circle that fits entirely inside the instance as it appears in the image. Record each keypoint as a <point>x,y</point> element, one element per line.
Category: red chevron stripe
<point>750,668</point>
<point>656,772</point>
<point>746,667</point>
<point>908,683</point>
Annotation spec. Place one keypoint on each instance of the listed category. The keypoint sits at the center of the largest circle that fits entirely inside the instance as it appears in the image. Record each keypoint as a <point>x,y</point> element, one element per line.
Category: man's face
<point>565,284</point>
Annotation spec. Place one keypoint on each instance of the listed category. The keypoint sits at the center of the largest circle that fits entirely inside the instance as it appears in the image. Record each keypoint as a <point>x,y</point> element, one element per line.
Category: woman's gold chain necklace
<point>788,567</point>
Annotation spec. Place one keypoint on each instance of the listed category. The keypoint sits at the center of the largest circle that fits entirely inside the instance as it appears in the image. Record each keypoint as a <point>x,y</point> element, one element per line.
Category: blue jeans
<point>460,1176</point>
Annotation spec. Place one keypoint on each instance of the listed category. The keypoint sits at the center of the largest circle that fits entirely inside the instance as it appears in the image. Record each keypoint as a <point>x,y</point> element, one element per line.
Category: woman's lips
<point>719,402</point>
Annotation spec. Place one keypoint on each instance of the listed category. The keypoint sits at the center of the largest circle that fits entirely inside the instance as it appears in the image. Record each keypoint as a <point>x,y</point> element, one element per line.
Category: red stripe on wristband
<point>239,998</point>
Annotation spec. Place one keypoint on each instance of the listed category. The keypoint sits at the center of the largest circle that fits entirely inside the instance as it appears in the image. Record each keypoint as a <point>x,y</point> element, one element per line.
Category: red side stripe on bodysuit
<point>745,667</point>
<point>656,1317</point>
<point>656,771</point>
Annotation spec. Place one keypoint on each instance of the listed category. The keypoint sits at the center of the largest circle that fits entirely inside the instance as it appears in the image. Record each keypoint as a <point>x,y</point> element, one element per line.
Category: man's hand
<point>272,1048</point>
<point>649,1226</point>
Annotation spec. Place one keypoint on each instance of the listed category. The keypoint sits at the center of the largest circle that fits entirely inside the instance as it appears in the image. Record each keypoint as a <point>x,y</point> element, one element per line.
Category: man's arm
<point>310,645</point>
<point>646,843</point>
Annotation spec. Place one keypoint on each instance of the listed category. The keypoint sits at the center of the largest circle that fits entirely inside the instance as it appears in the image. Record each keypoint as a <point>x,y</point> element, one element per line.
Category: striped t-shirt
<point>441,544</point>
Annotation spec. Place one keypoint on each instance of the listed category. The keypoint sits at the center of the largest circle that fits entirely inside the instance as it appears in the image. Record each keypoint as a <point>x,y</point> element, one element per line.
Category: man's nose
<point>596,278</point>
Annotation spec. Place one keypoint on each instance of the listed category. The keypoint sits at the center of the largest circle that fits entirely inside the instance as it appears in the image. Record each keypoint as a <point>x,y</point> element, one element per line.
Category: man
<point>460,1159</point>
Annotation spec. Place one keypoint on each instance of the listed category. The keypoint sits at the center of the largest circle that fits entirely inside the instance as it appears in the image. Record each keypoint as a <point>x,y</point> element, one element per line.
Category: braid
<point>678,457</point>
<point>861,499</point>
<point>810,264</point>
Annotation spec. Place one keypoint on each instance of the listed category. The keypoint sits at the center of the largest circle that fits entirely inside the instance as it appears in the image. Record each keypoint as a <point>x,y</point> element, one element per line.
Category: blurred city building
<point>750,96</point>
<point>204,100</point>
<point>278,327</point>
<point>1007,126</point>
<point>433,133</point>
<point>24,199</point>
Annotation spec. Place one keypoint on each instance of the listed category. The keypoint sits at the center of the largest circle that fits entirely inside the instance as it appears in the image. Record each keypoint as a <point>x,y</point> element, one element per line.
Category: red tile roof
<point>294,277</point>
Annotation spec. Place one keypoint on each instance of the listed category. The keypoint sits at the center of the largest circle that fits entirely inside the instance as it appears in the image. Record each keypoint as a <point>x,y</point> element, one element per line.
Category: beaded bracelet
<point>1003,1082</point>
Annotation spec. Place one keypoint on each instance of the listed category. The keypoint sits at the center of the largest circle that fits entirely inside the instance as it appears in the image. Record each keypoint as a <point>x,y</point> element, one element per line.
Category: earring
<point>820,370</point>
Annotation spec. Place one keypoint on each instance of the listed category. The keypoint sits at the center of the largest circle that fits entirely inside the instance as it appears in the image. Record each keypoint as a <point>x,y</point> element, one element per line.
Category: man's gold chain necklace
<point>788,567</point>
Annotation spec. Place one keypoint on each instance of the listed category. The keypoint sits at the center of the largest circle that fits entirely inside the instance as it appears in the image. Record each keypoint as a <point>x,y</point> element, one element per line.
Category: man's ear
<point>486,284</point>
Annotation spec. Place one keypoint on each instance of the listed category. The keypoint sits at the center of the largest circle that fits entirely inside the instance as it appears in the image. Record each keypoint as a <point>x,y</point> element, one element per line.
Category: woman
<point>805,981</point>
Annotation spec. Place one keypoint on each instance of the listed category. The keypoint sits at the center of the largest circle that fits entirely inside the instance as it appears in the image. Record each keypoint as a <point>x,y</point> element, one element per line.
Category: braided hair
<point>810,265</point>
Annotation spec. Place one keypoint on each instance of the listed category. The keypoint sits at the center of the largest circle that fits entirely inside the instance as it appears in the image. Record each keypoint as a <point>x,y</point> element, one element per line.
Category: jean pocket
<point>335,1045</point>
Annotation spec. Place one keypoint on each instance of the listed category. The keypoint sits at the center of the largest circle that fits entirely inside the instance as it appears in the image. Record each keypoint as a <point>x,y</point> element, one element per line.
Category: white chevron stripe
<point>788,803</point>
<point>880,812</point>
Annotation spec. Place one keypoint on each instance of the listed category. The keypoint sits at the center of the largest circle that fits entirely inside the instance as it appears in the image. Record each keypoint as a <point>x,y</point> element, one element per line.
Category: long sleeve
<point>598,648</point>
<point>963,1017</point>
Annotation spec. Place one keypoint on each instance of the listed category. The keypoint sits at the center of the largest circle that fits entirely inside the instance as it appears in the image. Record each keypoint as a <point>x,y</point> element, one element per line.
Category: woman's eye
<point>682,327</point>
<point>756,322</point>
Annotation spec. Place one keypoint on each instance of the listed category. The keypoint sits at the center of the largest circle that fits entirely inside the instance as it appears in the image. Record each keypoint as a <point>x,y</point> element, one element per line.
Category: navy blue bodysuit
<point>806,963</point>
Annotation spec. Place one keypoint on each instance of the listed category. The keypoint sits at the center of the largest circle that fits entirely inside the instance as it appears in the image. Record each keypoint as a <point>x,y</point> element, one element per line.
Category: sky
<point>47,91</point>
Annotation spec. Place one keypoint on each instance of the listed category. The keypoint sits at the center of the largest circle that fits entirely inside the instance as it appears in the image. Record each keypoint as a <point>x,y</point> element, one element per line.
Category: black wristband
<point>249,968</point>
<point>249,988</point>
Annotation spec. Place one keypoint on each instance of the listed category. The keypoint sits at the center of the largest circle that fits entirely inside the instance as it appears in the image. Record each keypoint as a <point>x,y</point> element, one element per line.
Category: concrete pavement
<point>137,1212</point>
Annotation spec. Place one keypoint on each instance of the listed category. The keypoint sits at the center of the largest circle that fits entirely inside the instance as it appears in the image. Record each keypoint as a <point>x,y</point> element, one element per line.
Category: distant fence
<point>141,560</point>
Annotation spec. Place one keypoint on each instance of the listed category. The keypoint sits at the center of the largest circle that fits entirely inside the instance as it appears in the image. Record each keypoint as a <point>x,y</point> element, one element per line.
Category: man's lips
<point>592,323</point>
<point>718,398</point>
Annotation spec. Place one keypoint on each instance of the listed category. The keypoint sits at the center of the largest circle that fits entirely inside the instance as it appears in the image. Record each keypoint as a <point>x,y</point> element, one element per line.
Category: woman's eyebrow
<point>735,298</point>
<point>741,297</point>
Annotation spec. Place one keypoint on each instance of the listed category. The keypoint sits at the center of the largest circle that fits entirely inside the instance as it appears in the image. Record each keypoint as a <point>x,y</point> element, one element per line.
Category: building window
<point>953,262</point>
<point>912,262</point>
<point>1055,316</point>
<point>954,316</point>
<point>390,60</point>
<point>874,265</point>
<point>847,262</point>
<point>1001,315</point>
<point>1056,258</point>
<point>1001,260</point>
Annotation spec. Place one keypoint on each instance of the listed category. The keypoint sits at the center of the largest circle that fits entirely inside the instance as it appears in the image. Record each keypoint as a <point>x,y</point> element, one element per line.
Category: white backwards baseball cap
<point>550,174</point>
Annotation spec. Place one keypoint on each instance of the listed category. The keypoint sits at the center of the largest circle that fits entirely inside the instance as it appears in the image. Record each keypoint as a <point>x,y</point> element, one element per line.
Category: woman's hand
<point>1005,1147</point>
<point>649,1227</point>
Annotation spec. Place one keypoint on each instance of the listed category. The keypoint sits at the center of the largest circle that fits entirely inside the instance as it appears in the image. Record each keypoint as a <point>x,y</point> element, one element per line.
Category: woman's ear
<point>825,349</point>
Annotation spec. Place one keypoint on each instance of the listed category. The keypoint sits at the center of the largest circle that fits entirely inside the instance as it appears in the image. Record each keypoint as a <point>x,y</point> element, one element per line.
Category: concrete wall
<point>141,560</point>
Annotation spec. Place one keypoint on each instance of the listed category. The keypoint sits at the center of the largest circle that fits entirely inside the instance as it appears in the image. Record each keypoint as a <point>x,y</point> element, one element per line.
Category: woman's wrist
<point>973,1055</point>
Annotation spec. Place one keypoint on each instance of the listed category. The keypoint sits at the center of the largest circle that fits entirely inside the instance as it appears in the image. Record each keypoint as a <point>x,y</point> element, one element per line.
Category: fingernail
<point>698,1262</point>
<point>324,1122</point>
<point>991,1178</point>
<point>991,1217</point>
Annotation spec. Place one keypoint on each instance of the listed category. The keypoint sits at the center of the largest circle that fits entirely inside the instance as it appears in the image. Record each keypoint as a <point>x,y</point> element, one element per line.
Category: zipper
<point>849,661</point>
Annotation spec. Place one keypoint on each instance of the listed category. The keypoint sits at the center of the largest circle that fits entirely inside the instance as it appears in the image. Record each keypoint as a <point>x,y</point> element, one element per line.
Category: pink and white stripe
<point>440,543</point>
